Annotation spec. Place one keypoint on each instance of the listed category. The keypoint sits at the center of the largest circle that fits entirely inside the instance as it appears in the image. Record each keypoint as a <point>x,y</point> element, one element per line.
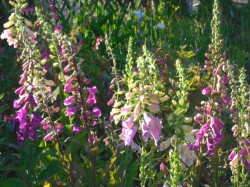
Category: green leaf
<point>131,173</point>
<point>51,170</point>
<point>13,182</point>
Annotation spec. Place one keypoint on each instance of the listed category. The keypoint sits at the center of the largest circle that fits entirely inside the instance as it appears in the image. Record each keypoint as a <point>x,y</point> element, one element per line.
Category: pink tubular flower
<point>128,135</point>
<point>91,99</point>
<point>77,129</point>
<point>69,101</point>
<point>128,131</point>
<point>153,126</point>
<point>206,90</point>
<point>97,112</point>
<point>128,124</point>
<point>111,101</point>
<point>92,90</point>
<point>68,87</point>
<point>71,111</point>
<point>48,137</point>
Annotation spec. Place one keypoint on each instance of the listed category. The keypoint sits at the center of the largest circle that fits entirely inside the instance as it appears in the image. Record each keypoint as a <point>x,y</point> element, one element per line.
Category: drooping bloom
<point>69,101</point>
<point>128,131</point>
<point>152,125</point>
<point>77,129</point>
<point>97,112</point>
<point>71,111</point>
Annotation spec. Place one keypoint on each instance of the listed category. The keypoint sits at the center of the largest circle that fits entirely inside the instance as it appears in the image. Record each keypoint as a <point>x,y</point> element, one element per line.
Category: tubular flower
<point>206,90</point>
<point>128,131</point>
<point>152,125</point>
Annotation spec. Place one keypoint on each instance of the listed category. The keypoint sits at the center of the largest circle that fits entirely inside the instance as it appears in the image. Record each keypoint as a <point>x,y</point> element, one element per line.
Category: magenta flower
<point>77,129</point>
<point>97,112</point>
<point>91,99</point>
<point>206,90</point>
<point>69,101</point>
<point>71,111</point>
<point>92,90</point>
<point>154,126</point>
<point>68,87</point>
<point>19,102</point>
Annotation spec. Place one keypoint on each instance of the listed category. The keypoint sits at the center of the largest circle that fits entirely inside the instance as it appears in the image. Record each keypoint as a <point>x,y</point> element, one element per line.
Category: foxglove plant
<point>19,33</point>
<point>140,108</point>
<point>210,114</point>
<point>182,131</point>
<point>240,156</point>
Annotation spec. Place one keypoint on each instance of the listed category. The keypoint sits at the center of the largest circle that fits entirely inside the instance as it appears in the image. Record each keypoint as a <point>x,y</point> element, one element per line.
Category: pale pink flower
<point>153,125</point>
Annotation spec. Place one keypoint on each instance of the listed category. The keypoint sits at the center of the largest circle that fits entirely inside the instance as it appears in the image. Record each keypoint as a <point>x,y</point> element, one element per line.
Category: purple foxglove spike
<point>69,101</point>
<point>206,90</point>
<point>71,111</point>
<point>77,129</point>
<point>97,112</point>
